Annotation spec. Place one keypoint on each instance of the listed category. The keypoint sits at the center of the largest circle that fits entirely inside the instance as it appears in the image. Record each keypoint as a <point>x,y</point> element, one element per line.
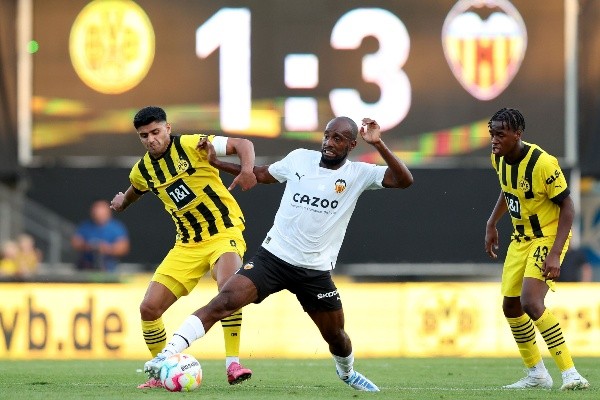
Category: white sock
<point>229,360</point>
<point>538,369</point>
<point>190,330</point>
<point>344,365</point>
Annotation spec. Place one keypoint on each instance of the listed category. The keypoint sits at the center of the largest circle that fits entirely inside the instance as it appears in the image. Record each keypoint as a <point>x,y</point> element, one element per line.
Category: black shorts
<point>314,290</point>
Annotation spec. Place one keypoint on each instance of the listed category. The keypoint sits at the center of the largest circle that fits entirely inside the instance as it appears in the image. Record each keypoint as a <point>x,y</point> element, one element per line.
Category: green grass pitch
<point>398,378</point>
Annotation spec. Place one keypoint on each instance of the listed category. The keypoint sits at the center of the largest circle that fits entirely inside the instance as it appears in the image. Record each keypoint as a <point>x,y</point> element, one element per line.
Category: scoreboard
<point>431,72</point>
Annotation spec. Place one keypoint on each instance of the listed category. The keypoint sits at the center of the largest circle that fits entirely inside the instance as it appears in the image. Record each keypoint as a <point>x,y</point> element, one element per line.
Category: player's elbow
<point>242,146</point>
<point>407,181</point>
<point>400,183</point>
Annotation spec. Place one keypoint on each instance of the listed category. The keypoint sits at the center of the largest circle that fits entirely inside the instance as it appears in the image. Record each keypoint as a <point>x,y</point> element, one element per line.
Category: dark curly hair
<point>510,118</point>
<point>149,114</point>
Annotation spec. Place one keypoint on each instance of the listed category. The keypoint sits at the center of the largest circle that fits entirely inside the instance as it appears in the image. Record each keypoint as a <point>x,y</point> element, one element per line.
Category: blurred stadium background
<point>74,72</point>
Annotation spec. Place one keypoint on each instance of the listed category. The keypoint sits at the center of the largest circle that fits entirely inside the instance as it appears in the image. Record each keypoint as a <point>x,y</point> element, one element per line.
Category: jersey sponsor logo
<point>327,295</point>
<point>514,206</point>
<point>314,201</point>
<point>180,193</point>
<point>299,176</point>
<point>340,186</point>
<point>553,177</point>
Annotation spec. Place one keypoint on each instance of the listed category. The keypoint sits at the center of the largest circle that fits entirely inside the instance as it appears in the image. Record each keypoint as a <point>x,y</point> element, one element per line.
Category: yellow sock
<point>551,331</point>
<point>524,333</point>
<point>154,335</point>
<point>232,327</point>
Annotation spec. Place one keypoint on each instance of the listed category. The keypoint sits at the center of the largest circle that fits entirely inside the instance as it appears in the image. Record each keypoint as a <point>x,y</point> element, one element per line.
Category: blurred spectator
<point>29,256</point>
<point>9,266</point>
<point>101,240</point>
<point>575,267</point>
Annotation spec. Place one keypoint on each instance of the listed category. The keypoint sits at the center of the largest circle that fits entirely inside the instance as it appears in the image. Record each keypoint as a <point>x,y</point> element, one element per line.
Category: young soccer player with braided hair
<point>534,191</point>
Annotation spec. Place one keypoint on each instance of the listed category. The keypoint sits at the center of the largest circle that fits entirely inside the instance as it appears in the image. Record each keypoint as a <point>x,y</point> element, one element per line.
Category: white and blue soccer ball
<point>181,373</point>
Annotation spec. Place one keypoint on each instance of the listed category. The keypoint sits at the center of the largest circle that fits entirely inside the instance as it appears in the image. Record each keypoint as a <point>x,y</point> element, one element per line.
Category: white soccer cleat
<point>543,381</point>
<point>359,382</point>
<point>574,381</point>
<point>152,367</point>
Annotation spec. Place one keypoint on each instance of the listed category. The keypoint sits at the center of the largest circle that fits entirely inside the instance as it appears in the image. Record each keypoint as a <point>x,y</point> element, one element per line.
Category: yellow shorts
<point>186,263</point>
<point>524,259</point>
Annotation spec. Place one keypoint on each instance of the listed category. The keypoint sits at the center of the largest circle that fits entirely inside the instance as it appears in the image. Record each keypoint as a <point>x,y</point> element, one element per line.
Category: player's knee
<point>339,342</point>
<point>336,337</point>
<point>512,307</point>
<point>226,302</point>
<point>533,308</point>
<point>149,312</point>
<point>237,293</point>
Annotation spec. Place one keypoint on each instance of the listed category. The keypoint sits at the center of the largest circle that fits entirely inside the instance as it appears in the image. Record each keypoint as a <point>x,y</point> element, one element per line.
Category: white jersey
<point>316,207</point>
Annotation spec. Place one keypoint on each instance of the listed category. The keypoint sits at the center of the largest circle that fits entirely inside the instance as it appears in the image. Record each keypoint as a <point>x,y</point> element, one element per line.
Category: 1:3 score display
<point>229,31</point>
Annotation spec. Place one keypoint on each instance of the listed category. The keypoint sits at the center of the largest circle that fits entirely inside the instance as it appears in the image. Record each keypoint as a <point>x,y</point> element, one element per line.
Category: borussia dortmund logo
<point>182,165</point>
<point>112,45</point>
<point>448,320</point>
<point>524,185</point>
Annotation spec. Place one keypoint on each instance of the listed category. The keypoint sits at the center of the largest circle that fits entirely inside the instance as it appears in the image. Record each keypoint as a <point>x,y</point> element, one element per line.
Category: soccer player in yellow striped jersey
<point>208,222</point>
<point>534,192</point>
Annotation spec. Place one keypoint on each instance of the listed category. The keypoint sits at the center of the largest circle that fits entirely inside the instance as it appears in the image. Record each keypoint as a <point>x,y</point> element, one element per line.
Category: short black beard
<point>332,162</point>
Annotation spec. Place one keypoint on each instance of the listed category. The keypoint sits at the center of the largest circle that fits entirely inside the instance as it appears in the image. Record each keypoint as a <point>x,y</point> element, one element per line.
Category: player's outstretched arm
<point>261,173</point>
<point>397,175</point>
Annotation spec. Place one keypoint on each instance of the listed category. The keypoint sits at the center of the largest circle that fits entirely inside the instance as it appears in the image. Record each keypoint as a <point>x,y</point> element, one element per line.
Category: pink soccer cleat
<point>150,384</point>
<point>237,374</point>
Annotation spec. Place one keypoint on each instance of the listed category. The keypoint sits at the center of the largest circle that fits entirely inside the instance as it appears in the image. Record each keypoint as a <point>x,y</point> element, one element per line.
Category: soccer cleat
<point>359,382</point>
<point>543,381</point>
<point>237,374</point>
<point>152,367</point>
<point>151,383</point>
<point>574,381</point>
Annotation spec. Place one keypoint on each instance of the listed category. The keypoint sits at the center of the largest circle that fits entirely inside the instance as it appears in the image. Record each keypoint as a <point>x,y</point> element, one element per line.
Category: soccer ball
<point>181,373</point>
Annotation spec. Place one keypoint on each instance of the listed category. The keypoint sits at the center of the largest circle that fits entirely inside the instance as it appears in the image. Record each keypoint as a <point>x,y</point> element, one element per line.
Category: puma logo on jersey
<point>299,176</point>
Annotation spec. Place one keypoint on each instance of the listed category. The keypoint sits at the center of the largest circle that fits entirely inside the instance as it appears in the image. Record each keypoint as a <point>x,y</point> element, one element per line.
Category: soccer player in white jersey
<point>301,249</point>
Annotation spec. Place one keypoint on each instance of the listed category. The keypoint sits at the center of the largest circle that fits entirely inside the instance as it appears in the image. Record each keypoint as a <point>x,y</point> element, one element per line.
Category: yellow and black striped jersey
<point>533,189</point>
<point>190,188</point>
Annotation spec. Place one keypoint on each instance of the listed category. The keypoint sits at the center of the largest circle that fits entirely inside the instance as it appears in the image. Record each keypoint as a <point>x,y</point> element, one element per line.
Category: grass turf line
<point>398,378</point>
